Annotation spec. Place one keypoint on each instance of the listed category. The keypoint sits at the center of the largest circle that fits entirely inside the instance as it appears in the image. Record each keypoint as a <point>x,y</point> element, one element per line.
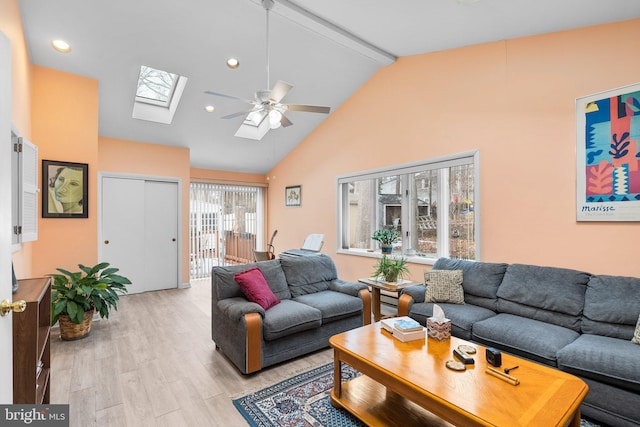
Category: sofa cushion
<point>275,278</point>
<point>609,360</point>
<point>308,274</point>
<point>524,337</point>
<point>254,286</point>
<point>611,306</point>
<point>332,305</point>
<point>549,294</point>
<point>462,316</point>
<point>636,333</point>
<point>289,317</point>
<point>480,280</point>
<point>444,286</point>
<point>225,286</point>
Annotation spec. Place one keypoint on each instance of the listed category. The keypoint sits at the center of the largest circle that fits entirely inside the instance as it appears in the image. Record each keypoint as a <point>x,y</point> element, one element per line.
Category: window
<point>157,95</point>
<point>433,204</point>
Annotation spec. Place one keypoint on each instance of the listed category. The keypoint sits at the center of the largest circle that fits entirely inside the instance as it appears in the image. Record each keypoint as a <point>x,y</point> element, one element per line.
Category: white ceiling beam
<point>321,26</point>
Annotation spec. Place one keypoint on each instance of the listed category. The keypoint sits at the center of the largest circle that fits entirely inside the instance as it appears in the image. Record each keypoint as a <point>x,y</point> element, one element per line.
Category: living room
<point>512,100</point>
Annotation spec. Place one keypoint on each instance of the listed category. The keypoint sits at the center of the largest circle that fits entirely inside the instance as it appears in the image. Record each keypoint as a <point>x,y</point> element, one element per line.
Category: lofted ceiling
<point>111,39</point>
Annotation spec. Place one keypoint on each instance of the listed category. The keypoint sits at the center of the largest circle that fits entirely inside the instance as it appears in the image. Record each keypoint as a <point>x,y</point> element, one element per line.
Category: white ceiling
<point>111,39</point>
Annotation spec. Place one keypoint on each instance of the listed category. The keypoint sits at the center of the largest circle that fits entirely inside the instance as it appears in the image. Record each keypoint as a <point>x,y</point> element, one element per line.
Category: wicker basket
<point>70,331</point>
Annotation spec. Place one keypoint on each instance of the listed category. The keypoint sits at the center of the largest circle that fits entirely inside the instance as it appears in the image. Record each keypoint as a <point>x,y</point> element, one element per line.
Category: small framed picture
<point>65,189</point>
<point>293,195</point>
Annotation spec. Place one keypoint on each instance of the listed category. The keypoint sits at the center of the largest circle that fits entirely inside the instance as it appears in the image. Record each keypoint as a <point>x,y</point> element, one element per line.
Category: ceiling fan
<point>267,111</point>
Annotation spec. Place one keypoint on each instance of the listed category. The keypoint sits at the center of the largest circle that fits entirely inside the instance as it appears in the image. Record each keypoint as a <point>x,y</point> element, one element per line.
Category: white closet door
<point>140,231</point>
<point>123,228</point>
<point>161,234</point>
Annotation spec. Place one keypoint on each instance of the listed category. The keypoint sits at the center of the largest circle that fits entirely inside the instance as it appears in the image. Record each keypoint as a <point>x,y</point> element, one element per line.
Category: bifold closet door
<point>139,231</point>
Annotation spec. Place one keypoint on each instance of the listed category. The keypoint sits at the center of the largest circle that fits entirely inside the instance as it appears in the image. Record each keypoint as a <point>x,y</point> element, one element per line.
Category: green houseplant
<point>392,269</point>
<point>386,237</point>
<point>76,295</point>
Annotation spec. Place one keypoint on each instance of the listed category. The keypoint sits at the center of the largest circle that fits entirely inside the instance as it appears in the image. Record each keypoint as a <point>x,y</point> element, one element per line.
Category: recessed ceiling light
<point>209,108</point>
<point>61,46</point>
<point>233,63</point>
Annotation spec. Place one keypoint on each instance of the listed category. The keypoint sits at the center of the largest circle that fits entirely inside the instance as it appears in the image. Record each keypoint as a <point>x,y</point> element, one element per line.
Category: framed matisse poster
<point>608,155</point>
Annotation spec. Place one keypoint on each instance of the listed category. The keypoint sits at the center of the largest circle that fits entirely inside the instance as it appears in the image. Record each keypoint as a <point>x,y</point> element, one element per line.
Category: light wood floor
<point>153,363</point>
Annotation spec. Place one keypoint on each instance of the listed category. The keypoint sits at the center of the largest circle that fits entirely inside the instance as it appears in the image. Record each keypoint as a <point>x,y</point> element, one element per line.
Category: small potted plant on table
<point>75,296</point>
<point>386,237</point>
<point>391,269</point>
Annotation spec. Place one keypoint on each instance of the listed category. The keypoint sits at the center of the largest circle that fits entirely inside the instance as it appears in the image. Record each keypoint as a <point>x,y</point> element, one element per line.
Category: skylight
<point>158,93</point>
<point>155,86</point>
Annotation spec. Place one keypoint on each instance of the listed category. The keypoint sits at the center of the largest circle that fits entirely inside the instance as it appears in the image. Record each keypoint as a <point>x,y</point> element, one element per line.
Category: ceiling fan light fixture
<point>275,117</point>
<point>255,117</point>
<point>209,108</point>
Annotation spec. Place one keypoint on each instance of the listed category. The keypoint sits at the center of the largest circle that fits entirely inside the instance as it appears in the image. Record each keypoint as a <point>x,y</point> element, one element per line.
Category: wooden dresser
<point>31,342</point>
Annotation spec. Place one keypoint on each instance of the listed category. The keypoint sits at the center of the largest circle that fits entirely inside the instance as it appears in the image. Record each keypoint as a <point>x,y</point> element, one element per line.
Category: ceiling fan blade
<point>284,121</point>
<point>279,91</point>
<point>239,113</point>
<point>208,92</point>
<point>307,108</point>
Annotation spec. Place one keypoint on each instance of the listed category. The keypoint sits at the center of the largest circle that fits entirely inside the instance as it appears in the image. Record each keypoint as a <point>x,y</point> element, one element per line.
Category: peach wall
<point>514,101</point>
<point>130,157</point>
<point>11,26</point>
<point>65,127</point>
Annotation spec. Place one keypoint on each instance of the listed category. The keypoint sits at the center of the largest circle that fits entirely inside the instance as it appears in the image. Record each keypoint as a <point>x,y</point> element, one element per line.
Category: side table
<point>378,285</point>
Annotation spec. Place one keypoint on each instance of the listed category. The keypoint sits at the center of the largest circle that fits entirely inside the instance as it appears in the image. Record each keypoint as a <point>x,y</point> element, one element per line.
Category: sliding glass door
<point>226,225</point>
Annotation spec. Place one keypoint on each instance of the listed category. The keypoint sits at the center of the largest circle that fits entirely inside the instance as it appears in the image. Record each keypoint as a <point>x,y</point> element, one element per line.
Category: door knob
<point>17,306</point>
<point>106,242</point>
<point>173,240</point>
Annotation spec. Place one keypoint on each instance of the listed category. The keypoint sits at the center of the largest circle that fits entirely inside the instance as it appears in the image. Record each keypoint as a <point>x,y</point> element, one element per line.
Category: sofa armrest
<point>409,296</point>
<point>253,322</point>
<point>355,289</point>
<point>235,308</point>
<point>365,295</point>
<point>349,288</point>
<point>416,291</point>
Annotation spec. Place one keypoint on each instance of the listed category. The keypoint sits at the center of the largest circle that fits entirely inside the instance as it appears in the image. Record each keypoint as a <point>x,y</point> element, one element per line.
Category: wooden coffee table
<point>408,384</point>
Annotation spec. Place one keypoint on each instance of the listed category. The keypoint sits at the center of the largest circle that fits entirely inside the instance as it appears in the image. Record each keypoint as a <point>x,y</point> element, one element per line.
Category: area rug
<point>303,401</point>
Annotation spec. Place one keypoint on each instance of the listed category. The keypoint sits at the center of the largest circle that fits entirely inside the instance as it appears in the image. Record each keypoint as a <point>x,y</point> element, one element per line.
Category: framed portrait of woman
<point>65,189</point>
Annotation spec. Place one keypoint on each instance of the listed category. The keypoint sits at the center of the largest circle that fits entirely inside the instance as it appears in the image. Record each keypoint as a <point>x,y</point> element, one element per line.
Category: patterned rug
<point>303,401</point>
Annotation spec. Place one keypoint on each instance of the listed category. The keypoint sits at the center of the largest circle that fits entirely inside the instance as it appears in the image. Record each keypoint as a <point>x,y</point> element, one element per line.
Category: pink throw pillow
<point>255,287</point>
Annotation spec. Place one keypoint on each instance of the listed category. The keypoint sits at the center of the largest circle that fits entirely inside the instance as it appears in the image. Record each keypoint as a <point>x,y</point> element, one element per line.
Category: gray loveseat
<point>572,320</point>
<point>314,305</point>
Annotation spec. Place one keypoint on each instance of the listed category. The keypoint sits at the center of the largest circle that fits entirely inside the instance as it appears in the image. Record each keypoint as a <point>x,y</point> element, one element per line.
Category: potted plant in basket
<point>391,269</point>
<point>76,295</point>
<point>386,238</point>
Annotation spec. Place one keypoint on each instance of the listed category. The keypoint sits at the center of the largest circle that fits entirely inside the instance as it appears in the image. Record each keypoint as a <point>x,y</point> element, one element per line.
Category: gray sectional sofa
<point>572,320</point>
<point>314,305</point>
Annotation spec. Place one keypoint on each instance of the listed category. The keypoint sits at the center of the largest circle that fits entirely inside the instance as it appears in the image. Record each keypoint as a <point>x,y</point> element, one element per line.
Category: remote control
<point>463,357</point>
